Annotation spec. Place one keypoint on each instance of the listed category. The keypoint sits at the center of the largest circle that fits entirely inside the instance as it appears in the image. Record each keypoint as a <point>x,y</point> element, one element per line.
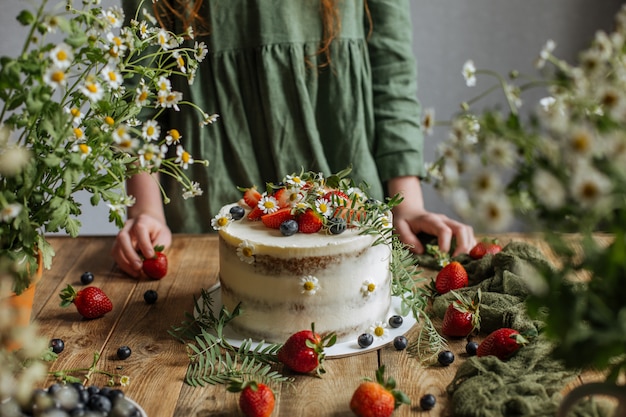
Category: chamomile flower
<point>193,190</point>
<point>151,130</point>
<point>294,180</point>
<point>589,186</point>
<point>76,114</point>
<point>309,285</point>
<point>323,207</point>
<point>245,252</point>
<point>294,195</point>
<point>500,152</point>
<point>428,122</point>
<point>367,288</point>
<point>83,149</point>
<point>113,17</point>
<point>494,211</point>
<point>169,99</point>
<point>121,133</point>
<point>124,380</point>
<point>486,182</point>
<point>164,84</point>
<point>200,51</point>
<point>356,194</point>
<point>55,77</point>
<point>108,123</point>
<point>9,212</point>
<point>142,95</point>
<point>92,89</point>
<point>116,42</point>
<point>180,62</point>
<point>379,330</point>
<point>151,155</point>
<point>62,56</point>
<point>164,39</point>
<point>580,141</point>
<point>144,30</point>
<point>112,77</point>
<point>209,119</point>
<point>173,136</point>
<point>548,189</point>
<point>183,158</point>
<point>469,73</point>
<point>268,204</point>
<point>78,133</point>
<point>221,220</point>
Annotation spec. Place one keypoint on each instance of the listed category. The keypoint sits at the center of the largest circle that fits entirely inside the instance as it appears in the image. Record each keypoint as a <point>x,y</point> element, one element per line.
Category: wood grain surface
<point>158,362</point>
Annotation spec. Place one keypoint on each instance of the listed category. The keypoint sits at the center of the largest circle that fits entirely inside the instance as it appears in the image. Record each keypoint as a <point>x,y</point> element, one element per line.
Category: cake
<point>305,251</point>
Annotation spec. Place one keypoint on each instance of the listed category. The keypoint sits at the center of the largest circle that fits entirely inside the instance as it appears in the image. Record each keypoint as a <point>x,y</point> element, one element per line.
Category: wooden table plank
<point>158,363</point>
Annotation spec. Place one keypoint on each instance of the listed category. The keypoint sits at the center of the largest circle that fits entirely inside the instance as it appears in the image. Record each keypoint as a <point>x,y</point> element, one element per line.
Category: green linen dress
<point>280,112</point>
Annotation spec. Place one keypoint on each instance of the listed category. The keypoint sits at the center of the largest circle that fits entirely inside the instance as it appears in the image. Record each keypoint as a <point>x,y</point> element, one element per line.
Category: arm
<point>145,227</point>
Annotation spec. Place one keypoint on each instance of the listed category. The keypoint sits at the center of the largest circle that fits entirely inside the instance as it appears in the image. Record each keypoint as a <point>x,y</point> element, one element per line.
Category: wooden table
<point>158,362</point>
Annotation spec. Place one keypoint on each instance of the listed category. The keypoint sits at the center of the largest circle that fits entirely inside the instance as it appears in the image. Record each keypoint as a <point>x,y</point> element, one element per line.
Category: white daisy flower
<point>117,43</point>
<point>62,56</point>
<point>200,51</point>
<point>221,220</point>
<point>486,182</point>
<point>13,160</point>
<point>209,119</point>
<point>163,39</point>
<point>9,212</point>
<point>151,130</point>
<point>379,330</point>
<point>268,204</point>
<point>112,77</point>
<point>500,152</point>
<point>245,252</point>
<point>294,180</point>
<point>428,122</point>
<point>148,16</point>
<point>548,189</point>
<point>142,96</point>
<point>151,155</point>
<point>367,288</point>
<point>355,193</point>
<point>92,90</point>
<point>193,190</point>
<point>589,186</point>
<point>180,62</point>
<point>294,196</point>
<point>169,99</point>
<point>309,284</point>
<point>121,134</point>
<point>78,133</point>
<point>113,17</point>
<point>108,124</point>
<point>173,136</point>
<point>124,380</point>
<point>76,114</point>
<point>323,207</point>
<point>55,77</point>
<point>183,158</point>
<point>144,30</point>
<point>164,84</point>
<point>494,212</point>
<point>83,149</point>
<point>469,73</point>
<point>580,141</point>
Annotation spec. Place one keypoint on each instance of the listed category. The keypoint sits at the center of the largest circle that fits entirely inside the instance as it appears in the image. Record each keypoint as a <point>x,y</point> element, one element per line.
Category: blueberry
<point>427,402</point>
<point>237,212</point>
<point>336,225</point>
<point>365,340</point>
<point>123,352</point>
<point>445,358</point>
<point>86,278</point>
<point>289,227</point>
<point>150,296</point>
<point>395,321</point>
<point>471,348</point>
<point>57,345</point>
<point>400,342</point>
<point>99,402</point>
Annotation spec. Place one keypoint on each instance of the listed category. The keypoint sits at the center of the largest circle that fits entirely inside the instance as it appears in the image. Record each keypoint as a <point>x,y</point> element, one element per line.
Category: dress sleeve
<point>398,143</point>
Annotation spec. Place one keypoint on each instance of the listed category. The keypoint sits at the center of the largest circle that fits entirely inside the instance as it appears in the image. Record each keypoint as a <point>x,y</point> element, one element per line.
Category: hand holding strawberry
<point>156,267</point>
<point>303,352</point>
<point>377,399</point>
<point>256,399</point>
<point>91,302</point>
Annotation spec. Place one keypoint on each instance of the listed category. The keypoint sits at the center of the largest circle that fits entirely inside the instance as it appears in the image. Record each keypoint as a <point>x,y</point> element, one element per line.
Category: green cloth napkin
<point>528,384</point>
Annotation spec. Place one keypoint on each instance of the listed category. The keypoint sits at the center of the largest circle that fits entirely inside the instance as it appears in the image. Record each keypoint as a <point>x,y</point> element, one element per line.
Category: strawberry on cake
<point>307,250</point>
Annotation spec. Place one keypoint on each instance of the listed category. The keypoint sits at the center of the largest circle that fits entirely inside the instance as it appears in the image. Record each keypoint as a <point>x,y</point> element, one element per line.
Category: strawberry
<point>451,277</point>
<point>377,399</point>
<point>274,220</point>
<point>282,196</point>
<point>485,247</point>
<point>309,222</point>
<point>91,302</point>
<point>303,352</point>
<point>502,343</point>
<point>338,198</point>
<point>462,316</point>
<point>256,399</point>
<point>156,267</point>
<point>255,214</point>
<point>251,196</point>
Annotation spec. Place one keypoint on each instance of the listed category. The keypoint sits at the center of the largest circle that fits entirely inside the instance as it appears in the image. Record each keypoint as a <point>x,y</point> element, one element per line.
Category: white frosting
<point>270,288</point>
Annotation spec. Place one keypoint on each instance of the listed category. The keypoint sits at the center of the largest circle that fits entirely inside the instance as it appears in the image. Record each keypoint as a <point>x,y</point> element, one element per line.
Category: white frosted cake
<point>286,280</point>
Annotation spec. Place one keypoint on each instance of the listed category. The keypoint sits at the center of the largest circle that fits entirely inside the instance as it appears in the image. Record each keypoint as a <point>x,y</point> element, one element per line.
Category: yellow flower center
<point>148,156</point>
<point>268,204</point>
<point>61,55</point>
<point>309,286</point>
<point>78,132</point>
<point>247,252</point>
<point>58,76</point>
<point>83,148</point>
<point>117,41</point>
<point>379,331</point>
<point>92,88</point>
<point>371,287</point>
<point>175,135</point>
<point>223,221</point>
<point>150,130</point>
<point>181,61</point>
<point>113,53</point>
<point>185,157</point>
<point>143,96</point>
<point>75,112</point>
<point>109,120</point>
<point>112,76</point>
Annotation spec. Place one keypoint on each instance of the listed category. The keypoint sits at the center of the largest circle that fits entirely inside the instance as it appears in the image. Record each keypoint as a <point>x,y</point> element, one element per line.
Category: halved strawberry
<point>338,198</point>
<point>274,220</point>
<point>255,214</point>
<point>309,222</point>
<point>252,196</point>
<point>282,196</point>
<point>350,215</point>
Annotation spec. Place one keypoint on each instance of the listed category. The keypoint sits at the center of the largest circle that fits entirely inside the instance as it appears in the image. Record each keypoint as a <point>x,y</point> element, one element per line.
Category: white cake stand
<point>338,350</point>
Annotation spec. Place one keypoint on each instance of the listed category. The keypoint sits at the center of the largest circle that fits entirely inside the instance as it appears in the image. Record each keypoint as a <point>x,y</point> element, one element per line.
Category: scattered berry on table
<point>255,399</point>
<point>451,277</point>
<point>237,212</point>
<point>365,340</point>
<point>395,321</point>
<point>502,343</point>
<point>57,345</point>
<point>156,267</point>
<point>123,352</point>
<point>303,352</point>
<point>100,403</point>
<point>86,278</point>
<point>377,398</point>
<point>289,227</point>
<point>462,316</point>
<point>400,342</point>
<point>150,296</point>
<point>471,348</point>
<point>445,358</point>
<point>91,302</point>
<point>427,402</point>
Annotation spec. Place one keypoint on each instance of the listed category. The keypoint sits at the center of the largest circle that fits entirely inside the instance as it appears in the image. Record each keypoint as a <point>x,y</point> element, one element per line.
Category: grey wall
<point>496,34</point>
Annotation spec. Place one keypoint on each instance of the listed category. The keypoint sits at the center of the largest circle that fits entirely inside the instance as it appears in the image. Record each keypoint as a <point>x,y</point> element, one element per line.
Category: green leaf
<point>26,18</point>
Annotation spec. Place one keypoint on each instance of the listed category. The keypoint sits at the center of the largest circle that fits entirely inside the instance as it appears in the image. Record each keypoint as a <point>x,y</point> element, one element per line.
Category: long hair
<point>188,14</point>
